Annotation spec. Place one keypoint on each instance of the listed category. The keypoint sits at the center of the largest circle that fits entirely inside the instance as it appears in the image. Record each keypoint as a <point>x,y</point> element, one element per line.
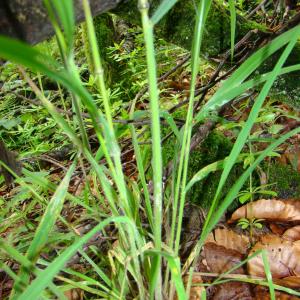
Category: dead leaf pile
<point>225,249</point>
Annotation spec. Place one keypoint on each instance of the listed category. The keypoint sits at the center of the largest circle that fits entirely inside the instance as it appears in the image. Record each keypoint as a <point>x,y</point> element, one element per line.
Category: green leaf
<point>243,135</point>
<point>230,86</point>
<point>47,222</point>
<point>162,10</point>
<point>45,277</point>
<point>232,26</point>
<point>245,197</point>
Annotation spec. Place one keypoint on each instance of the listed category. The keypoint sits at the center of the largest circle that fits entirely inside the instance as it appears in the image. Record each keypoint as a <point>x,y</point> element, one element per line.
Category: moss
<point>214,148</point>
<point>286,180</point>
<point>105,35</point>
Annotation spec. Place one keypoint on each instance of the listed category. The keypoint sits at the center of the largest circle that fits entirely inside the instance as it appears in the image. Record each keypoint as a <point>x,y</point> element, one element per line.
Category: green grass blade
<point>65,13</point>
<point>245,70</point>
<point>268,274</point>
<point>156,280</point>
<point>162,10</point>
<point>232,26</point>
<point>215,166</point>
<point>243,135</point>
<point>46,276</point>
<point>50,216</point>
<point>168,117</point>
<point>47,222</point>
<point>232,194</point>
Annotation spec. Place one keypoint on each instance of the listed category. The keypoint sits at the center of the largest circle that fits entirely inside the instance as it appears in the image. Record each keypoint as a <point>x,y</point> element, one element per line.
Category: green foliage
<point>137,250</point>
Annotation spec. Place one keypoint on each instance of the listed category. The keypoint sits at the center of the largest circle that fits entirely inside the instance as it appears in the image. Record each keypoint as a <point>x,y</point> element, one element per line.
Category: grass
<point>143,263</point>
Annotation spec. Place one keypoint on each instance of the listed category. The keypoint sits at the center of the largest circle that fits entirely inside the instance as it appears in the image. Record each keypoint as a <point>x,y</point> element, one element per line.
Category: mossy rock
<point>286,180</point>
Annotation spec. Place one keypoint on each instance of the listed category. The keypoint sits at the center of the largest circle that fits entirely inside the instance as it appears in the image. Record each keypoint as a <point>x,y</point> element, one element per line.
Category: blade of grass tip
<point>232,26</point>
<point>47,222</point>
<point>162,10</point>
<point>156,283</point>
<point>46,276</point>
<point>268,274</point>
<point>243,135</point>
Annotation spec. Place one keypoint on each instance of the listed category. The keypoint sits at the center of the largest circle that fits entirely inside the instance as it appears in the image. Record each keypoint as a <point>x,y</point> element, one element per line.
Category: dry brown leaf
<point>229,239</point>
<point>262,293</point>
<point>270,210</point>
<point>218,259</point>
<point>277,228</point>
<point>293,233</point>
<point>292,282</point>
<point>283,256</point>
<point>233,291</point>
<point>74,294</point>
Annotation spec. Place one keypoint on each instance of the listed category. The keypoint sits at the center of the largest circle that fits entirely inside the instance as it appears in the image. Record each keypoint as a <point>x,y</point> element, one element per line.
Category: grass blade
<point>162,10</point>
<point>46,276</point>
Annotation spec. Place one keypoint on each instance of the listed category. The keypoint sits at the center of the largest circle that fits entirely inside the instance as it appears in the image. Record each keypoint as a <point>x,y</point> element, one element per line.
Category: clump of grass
<point>136,260</point>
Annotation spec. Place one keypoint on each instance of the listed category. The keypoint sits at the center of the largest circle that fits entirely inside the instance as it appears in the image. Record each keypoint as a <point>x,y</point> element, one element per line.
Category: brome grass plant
<point>143,262</point>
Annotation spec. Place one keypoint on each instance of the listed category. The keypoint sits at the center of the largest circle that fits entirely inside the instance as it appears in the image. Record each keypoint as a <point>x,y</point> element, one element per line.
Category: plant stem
<point>156,143</point>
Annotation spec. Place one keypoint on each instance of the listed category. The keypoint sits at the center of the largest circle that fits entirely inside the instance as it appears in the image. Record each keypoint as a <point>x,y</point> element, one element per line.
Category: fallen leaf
<point>283,256</point>
<point>218,259</point>
<point>277,228</point>
<point>233,291</point>
<point>293,233</point>
<point>74,294</point>
<point>229,239</point>
<point>270,210</point>
<point>292,282</point>
<point>263,293</point>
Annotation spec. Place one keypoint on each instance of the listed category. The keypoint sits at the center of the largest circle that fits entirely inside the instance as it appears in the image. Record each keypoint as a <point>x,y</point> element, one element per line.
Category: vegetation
<point>118,135</point>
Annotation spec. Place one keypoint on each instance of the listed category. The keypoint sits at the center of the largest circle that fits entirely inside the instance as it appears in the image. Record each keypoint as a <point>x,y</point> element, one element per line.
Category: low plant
<point>143,258</point>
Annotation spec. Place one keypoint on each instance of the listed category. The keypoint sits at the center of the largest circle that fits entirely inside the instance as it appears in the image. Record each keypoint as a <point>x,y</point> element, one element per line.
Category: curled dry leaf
<point>292,282</point>
<point>283,256</point>
<point>219,260</point>
<point>262,293</point>
<point>293,233</point>
<point>270,210</point>
<point>229,239</point>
